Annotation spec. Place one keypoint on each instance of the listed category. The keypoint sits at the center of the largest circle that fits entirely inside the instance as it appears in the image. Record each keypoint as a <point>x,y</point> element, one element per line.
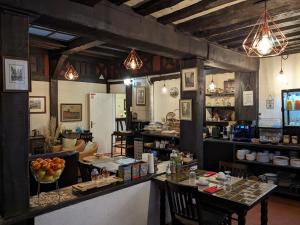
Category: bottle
<point>173,157</point>
<point>94,174</point>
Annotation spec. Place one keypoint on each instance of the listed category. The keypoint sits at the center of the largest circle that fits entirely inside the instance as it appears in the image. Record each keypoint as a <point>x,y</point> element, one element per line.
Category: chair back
<point>85,170</point>
<point>184,202</point>
<point>237,169</point>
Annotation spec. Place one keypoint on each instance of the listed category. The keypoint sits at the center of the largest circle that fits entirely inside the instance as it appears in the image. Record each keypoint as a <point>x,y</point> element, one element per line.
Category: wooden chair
<point>85,170</point>
<point>187,209</point>
<point>237,169</point>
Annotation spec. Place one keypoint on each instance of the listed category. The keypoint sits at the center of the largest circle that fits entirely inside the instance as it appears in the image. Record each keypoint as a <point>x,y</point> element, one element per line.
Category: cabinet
<point>36,145</point>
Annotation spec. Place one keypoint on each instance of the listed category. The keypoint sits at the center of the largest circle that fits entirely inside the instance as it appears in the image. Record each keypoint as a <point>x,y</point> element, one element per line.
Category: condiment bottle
<point>173,157</point>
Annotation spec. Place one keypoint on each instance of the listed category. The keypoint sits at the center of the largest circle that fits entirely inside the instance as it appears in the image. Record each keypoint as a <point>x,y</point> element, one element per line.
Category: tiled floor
<point>282,211</point>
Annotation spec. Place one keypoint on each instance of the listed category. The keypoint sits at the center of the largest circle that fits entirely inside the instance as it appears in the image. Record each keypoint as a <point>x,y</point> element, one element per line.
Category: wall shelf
<point>221,107</point>
<point>267,164</point>
<point>219,94</point>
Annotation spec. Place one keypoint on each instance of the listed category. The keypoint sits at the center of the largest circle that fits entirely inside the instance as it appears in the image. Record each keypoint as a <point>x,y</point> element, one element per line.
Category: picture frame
<point>140,96</point>
<point>37,104</point>
<point>16,74</point>
<point>189,79</point>
<point>70,112</point>
<point>185,109</point>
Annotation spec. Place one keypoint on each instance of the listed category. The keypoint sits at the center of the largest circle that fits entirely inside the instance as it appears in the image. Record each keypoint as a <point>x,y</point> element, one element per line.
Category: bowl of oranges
<point>47,171</point>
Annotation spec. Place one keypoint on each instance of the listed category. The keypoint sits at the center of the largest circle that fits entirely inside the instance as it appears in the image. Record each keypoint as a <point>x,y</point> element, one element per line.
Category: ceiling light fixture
<point>281,76</point>
<point>133,61</point>
<point>71,73</point>
<point>212,86</point>
<point>128,81</point>
<point>265,38</point>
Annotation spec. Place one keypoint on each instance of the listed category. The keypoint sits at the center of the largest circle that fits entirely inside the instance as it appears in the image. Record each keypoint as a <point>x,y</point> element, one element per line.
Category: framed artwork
<point>189,79</point>
<point>185,106</point>
<point>70,112</point>
<point>16,75</point>
<point>37,104</point>
<point>141,96</point>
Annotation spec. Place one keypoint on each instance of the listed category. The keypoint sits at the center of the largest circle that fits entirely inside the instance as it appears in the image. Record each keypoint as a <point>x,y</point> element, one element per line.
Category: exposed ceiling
<point>226,22</point>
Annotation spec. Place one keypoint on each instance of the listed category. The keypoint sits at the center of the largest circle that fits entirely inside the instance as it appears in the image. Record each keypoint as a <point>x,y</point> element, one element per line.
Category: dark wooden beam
<point>110,52</point>
<point>191,10</point>
<point>118,2</point>
<point>167,77</point>
<point>81,44</point>
<point>87,2</point>
<point>152,6</point>
<point>236,13</point>
<point>41,42</point>
<point>100,53</point>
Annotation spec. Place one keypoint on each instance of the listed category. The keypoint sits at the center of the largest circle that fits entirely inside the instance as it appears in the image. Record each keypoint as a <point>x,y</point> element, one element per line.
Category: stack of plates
<point>240,154</point>
<point>263,157</point>
<point>295,162</point>
<point>281,160</point>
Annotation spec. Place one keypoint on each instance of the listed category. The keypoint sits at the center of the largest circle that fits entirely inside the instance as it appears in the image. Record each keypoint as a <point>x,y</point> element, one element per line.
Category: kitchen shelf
<point>267,164</point>
<point>219,94</point>
<point>159,149</point>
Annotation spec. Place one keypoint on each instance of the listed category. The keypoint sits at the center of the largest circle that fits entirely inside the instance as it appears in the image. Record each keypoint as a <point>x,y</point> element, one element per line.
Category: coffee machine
<point>243,131</point>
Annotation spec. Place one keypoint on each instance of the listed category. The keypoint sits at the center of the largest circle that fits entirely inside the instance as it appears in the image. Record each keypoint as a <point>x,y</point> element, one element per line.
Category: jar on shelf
<point>289,104</point>
<point>297,103</point>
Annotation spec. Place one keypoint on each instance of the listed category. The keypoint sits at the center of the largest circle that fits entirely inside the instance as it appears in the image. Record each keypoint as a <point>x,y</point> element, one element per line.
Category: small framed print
<point>37,104</point>
<point>140,96</point>
<point>16,75</point>
<point>189,79</point>
<point>185,106</point>
<point>70,112</point>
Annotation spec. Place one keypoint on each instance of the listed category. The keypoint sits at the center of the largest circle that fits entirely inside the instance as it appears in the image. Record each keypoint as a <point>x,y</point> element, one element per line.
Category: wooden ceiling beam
<point>101,54</point>
<point>45,43</point>
<point>81,44</point>
<point>91,3</point>
<point>191,10</point>
<point>235,14</point>
<point>152,6</point>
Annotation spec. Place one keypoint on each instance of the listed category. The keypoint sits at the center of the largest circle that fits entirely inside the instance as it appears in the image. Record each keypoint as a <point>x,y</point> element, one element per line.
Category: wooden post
<point>14,121</point>
<point>128,106</point>
<point>191,132</point>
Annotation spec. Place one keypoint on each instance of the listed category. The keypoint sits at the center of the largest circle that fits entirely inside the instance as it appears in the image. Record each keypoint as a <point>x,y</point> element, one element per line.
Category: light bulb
<point>212,86</point>
<point>133,65</point>
<point>264,45</point>
<point>281,77</point>
<point>127,82</point>
<point>71,76</point>
<point>164,90</point>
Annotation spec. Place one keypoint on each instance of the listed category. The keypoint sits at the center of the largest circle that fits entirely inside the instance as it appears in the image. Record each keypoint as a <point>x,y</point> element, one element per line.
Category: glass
<point>94,175</point>
<point>228,180</point>
<point>192,177</point>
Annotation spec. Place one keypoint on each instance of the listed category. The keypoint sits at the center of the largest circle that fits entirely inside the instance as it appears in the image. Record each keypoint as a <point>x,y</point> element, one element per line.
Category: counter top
<point>245,144</point>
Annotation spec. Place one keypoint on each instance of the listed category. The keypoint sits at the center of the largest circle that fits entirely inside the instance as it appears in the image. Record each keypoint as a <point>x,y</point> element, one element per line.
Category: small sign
<point>247,98</point>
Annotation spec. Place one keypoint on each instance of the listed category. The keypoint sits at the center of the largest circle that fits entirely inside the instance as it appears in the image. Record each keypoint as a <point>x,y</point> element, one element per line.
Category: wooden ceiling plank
<point>101,53</point>
<point>191,10</point>
<point>91,3</point>
<point>235,14</point>
<point>81,44</point>
<point>152,6</point>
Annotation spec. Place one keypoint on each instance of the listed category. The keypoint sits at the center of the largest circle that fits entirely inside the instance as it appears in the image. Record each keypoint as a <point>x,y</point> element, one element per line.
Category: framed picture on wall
<point>37,104</point>
<point>185,106</point>
<point>70,112</point>
<point>141,96</point>
<point>16,75</point>
<point>189,79</point>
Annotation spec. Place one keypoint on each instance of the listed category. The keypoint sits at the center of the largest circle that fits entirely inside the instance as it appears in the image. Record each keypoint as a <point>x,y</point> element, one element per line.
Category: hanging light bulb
<point>281,76</point>
<point>127,81</point>
<point>71,73</point>
<point>133,61</point>
<point>212,86</point>
<point>263,41</point>
<point>164,90</point>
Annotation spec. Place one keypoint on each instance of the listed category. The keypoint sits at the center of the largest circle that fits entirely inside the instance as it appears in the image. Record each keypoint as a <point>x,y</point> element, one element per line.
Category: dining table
<point>235,197</point>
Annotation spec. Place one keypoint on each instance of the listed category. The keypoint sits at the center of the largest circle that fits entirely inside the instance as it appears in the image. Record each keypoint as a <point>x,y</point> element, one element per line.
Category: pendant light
<point>212,86</point>
<point>281,76</point>
<point>128,81</point>
<point>265,38</point>
<point>164,90</point>
<point>133,61</point>
<point>71,73</point>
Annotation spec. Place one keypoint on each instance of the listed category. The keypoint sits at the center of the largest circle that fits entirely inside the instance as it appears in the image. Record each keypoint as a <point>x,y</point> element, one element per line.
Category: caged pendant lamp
<point>133,61</point>
<point>71,73</point>
<point>265,38</point>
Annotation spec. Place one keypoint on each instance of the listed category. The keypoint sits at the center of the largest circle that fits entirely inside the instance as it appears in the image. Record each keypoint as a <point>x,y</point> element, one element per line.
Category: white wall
<point>117,88</point>
<point>77,92</point>
<point>144,112</point>
<point>270,85</point>
<point>120,108</point>
<point>40,121</point>
<point>164,103</point>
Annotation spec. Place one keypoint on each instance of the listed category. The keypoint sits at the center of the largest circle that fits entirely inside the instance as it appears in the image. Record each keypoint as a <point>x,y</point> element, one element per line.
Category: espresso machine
<point>243,131</point>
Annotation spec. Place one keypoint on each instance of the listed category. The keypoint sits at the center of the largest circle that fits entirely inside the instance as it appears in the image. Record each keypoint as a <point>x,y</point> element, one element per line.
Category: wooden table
<point>242,195</point>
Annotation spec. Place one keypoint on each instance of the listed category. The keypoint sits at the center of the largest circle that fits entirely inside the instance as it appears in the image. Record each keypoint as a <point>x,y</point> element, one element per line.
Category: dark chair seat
<point>209,218</point>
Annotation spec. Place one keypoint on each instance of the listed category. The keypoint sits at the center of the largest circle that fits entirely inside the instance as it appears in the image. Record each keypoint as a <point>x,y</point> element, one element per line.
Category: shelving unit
<point>219,94</point>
